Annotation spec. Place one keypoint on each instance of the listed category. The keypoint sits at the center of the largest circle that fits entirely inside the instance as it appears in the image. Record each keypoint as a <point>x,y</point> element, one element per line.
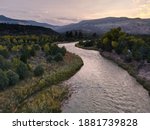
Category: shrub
<point>81,43</point>
<point>13,77</point>
<point>49,58</point>
<point>4,51</point>
<point>24,58</point>
<point>89,43</point>
<point>22,70</point>
<point>63,51</point>
<point>4,81</point>
<point>53,49</point>
<point>58,57</point>
<point>38,71</point>
<point>33,51</point>
<point>4,64</point>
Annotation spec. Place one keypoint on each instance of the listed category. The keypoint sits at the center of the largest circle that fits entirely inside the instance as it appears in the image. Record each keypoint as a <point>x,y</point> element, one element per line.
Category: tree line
<point>131,47</point>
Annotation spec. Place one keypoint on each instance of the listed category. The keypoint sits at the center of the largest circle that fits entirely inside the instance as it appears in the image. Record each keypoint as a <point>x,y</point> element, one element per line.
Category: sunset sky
<point>60,12</point>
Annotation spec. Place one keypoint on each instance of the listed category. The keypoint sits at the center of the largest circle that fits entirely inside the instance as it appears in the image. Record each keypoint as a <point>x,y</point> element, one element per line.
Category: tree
<point>53,49</point>
<point>80,34</point>
<point>38,71</point>
<point>25,54</point>
<point>49,58</point>
<point>13,77</point>
<point>4,81</point>
<point>94,35</point>
<point>114,44</point>
<point>3,51</point>
<point>4,64</point>
<point>106,44</point>
<point>24,58</point>
<point>22,70</point>
<point>33,51</point>
<point>58,57</point>
<point>63,51</point>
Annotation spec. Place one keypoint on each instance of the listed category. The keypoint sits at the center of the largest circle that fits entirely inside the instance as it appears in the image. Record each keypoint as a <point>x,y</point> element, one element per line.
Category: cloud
<point>144,10</point>
<point>71,11</point>
<point>143,7</point>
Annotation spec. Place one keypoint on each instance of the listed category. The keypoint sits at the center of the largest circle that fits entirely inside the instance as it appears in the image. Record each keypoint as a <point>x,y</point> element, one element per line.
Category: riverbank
<point>140,73</point>
<point>133,68</point>
<point>41,94</point>
<point>88,48</point>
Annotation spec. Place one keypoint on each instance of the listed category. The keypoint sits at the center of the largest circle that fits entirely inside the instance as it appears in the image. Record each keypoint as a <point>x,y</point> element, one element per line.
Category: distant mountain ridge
<point>100,26</point>
<point>4,19</point>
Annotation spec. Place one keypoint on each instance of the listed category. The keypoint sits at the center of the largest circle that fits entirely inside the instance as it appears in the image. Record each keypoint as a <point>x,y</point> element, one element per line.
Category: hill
<point>14,29</point>
<point>4,19</point>
<point>100,26</point>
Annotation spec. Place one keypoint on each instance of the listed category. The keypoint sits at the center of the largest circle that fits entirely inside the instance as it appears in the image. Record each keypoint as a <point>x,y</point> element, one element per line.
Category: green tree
<point>4,81</point>
<point>4,64</point>
<point>22,70</point>
<point>114,44</point>
<point>38,71</point>
<point>13,77</point>
<point>63,51</point>
<point>4,52</point>
<point>50,58</point>
<point>58,57</point>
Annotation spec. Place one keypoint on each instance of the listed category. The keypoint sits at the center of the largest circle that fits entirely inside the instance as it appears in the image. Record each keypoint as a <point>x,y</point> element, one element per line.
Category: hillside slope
<point>14,29</point>
<point>100,26</point>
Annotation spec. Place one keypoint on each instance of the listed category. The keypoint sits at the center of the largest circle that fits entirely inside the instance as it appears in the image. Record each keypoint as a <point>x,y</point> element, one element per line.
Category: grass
<point>48,100</point>
<point>13,98</point>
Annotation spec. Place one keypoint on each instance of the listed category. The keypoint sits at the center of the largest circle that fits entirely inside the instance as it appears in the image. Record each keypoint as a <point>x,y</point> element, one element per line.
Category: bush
<point>81,43</point>
<point>22,70</point>
<point>58,57</point>
<point>13,77</point>
<point>33,51</point>
<point>4,51</point>
<point>4,64</point>
<point>24,58</point>
<point>53,49</point>
<point>4,81</point>
<point>38,71</point>
<point>63,51</point>
<point>49,58</point>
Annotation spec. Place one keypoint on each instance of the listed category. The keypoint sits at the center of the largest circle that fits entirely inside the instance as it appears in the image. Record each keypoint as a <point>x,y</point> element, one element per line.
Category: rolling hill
<point>15,29</point>
<point>4,19</point>
<point>100,26</point>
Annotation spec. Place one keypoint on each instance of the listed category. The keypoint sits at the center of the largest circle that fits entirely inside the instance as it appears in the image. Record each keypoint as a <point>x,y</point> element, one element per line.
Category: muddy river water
<point>102,86</point>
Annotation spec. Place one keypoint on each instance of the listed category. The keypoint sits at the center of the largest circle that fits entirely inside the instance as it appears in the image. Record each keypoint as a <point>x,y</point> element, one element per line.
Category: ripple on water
<point>102,86</point>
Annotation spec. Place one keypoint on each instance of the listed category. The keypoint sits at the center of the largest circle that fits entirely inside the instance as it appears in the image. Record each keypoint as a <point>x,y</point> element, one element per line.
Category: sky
<point>61,12</point>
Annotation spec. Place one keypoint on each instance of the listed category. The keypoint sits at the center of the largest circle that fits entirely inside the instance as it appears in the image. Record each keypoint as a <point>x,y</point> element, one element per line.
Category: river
<point>102,86</point>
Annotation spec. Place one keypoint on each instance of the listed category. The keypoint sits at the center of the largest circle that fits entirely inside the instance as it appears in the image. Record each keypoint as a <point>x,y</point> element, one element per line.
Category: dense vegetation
<point>14,29</point>
<point>131,52</point>
<point>30,63</point>
<point>15,51</point>
<point>36,94</point>
<point>129,46</point>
